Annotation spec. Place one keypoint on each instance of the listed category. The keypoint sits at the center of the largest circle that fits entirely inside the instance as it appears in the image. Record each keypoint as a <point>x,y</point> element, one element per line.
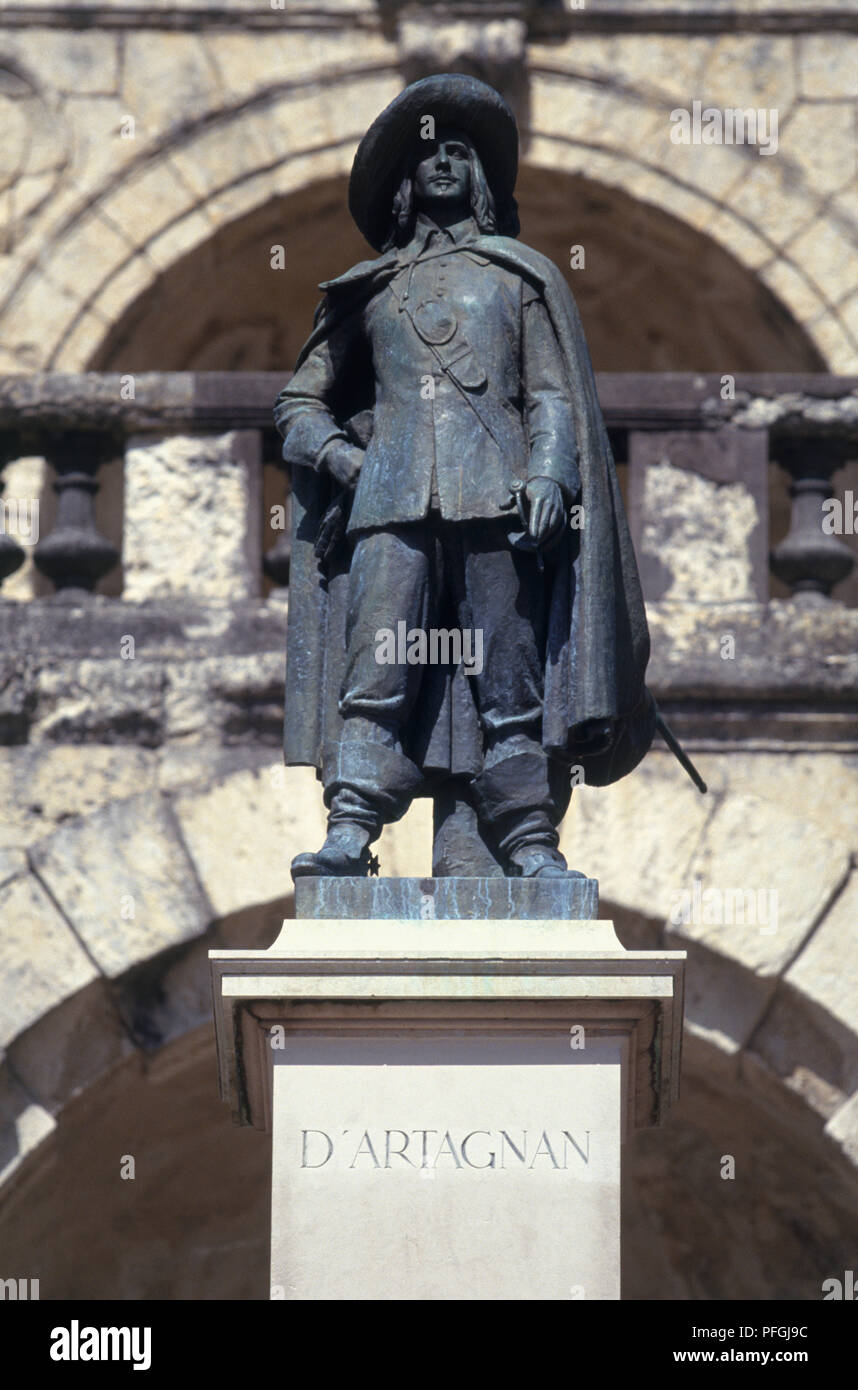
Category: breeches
<point>445,575</point>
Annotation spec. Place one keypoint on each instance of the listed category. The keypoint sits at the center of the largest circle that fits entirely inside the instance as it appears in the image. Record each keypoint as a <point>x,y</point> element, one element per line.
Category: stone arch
<point>103,249</point>
<point>221,307</point>
<point>109,1019</point>
<point>769,213</point>
<point>104,255</point>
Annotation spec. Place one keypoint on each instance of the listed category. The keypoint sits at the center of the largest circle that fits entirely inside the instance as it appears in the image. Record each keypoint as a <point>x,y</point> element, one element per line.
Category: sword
<point>677,750</point>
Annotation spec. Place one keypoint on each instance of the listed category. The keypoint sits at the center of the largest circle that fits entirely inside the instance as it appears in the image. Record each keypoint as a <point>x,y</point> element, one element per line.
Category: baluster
<point>11,553</point>
<point>276,560</point>
<point>76,555</point>
<point>808,559</point>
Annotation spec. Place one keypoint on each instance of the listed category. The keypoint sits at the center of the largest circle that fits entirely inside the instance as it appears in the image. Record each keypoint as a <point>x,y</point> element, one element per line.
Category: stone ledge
<point>51,629</point>
<point>437,975</point>
<point>599,16</point>
<point>793,661</point>
<point>218,672</point>
<point>783,648</point>
<point>166,403</point>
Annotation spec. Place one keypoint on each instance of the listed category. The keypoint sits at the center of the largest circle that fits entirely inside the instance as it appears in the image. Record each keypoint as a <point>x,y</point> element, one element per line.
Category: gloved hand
<point>332,528</point>
<point>343,462</point>
<point>547,512</point>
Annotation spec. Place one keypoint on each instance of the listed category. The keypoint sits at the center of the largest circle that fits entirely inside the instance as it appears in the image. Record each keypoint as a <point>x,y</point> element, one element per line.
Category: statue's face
<point>442,177</point>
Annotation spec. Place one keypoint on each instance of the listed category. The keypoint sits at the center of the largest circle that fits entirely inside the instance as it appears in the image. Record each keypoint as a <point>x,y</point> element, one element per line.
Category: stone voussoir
<point>125,882</point>
<point>242,833</point>
<point>43,960</point>
<point>71,1047</point>
<point>809,1035</point>
<point>758,884</point>
<point>24,1125</point>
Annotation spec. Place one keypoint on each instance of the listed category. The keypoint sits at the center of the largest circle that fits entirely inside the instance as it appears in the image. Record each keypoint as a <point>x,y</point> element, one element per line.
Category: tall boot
<point>367,785</point>
<point>514,800</point>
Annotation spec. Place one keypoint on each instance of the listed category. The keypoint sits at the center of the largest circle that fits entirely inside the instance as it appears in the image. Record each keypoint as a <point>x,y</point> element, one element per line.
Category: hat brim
<point>452,99</point>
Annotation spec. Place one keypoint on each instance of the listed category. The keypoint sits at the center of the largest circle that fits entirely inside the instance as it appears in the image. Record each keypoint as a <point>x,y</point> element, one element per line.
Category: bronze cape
<point>598,641</point>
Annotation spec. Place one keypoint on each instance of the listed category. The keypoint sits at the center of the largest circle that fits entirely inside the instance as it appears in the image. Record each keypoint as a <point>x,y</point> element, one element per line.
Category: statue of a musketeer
<point>452,475</point>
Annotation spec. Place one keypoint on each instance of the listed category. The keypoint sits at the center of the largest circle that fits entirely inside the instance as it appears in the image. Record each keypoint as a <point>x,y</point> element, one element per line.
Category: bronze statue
<point>452,478</point>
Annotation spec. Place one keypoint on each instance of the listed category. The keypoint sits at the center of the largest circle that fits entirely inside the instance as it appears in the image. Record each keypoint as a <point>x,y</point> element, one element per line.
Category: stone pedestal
<point>447,1096</point>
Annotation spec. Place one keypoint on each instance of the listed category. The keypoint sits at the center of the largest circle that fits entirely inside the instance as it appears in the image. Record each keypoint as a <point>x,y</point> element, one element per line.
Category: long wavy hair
<point>491,217</point>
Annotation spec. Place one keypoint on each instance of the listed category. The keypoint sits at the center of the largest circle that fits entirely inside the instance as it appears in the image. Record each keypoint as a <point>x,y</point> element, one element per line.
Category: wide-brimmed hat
<point>453,99</point>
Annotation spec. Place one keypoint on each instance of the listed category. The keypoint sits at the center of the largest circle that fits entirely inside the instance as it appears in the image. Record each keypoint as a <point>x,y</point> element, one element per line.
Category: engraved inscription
<point>381,1149</point>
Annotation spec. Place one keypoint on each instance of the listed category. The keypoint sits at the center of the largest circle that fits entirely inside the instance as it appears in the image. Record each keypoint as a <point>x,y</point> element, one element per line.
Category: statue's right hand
<point>343,462</point>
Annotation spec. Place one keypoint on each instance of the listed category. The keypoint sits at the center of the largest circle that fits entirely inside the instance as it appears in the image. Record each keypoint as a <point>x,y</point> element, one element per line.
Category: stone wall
<point>149,818</point>
<point>136,135</point>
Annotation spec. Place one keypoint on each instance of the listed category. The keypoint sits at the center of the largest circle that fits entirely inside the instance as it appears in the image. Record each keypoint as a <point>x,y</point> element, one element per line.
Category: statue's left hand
<point>331,529</point>
<point>547,512</point>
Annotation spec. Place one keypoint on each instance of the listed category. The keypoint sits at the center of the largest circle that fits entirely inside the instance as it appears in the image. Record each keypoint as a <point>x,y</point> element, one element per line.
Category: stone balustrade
<point>166,521</point>
<point>199,513</point>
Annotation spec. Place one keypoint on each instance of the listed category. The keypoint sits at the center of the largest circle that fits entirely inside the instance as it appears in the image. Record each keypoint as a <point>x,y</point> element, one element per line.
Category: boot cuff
<point>382,776</point>
<point>517,784</point>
